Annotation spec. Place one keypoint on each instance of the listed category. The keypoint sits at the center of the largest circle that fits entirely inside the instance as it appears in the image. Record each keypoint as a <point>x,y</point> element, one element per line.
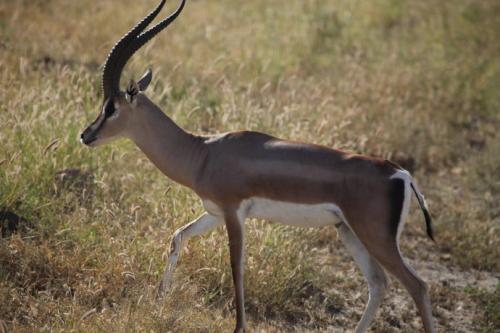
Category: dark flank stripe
<point>396,198</point>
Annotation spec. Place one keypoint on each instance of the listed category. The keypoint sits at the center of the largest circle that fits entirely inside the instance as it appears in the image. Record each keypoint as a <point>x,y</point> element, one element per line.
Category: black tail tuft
<point>428,224</point>
<point>427,215</point>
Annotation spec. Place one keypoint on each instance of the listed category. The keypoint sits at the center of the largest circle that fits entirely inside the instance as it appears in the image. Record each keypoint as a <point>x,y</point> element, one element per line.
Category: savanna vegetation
<point>85,232</point>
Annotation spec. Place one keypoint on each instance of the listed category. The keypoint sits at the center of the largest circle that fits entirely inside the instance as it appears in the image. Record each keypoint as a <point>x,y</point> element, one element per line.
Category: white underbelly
<point>288,213</point>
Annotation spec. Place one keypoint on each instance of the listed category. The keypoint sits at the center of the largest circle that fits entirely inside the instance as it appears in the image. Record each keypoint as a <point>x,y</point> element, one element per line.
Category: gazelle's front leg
<point>235,231</point>
<point>201,225</point>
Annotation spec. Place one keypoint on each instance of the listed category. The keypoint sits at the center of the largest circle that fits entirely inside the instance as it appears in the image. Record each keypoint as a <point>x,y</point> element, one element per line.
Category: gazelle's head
<point>118,107</point>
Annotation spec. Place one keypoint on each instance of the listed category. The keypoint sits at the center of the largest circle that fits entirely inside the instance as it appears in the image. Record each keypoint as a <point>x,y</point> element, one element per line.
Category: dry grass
<point>413,81</point>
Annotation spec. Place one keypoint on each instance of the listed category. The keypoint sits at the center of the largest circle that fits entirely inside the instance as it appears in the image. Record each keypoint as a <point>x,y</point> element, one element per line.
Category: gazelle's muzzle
<point>88,136</point>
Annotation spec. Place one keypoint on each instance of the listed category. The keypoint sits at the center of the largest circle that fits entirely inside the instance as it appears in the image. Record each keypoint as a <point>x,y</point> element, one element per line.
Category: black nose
<point>86,137</point>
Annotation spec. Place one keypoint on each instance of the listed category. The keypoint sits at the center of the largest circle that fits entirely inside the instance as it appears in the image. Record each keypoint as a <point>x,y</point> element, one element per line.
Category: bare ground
<point>453,308</point>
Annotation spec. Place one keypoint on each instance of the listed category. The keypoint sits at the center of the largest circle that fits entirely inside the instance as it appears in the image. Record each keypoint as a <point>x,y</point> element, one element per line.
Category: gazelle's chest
<point>289,213</point>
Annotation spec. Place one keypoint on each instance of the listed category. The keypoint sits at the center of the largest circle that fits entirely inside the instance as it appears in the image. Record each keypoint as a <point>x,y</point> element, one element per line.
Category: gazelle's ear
<point>145,80</point>
<point>132,90</point>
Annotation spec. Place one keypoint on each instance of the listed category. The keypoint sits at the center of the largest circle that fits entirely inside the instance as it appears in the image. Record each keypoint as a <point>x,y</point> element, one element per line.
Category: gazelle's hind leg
<point>390,258</point>
<point>372,271</point>
<point>385,249</point>
<point>201,225</point>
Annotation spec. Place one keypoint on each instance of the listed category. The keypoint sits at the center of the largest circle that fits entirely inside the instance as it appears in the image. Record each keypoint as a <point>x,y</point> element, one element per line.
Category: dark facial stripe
<point>109,108</point>
<point>101,119</point>
<point>95,127</point>
<point>99,122</point>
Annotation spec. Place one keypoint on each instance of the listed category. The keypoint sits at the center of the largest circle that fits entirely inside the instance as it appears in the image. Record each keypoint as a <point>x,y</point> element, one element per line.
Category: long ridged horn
<point>111,73</point>
<point>128,45</point>
<point>149,34</point>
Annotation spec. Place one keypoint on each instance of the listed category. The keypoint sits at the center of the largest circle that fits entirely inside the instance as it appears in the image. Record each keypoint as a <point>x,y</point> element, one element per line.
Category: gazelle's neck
<point>175,152</point>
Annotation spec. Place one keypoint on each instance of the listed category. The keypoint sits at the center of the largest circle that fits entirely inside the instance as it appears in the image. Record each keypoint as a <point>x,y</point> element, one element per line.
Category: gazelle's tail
<point>425,210</point>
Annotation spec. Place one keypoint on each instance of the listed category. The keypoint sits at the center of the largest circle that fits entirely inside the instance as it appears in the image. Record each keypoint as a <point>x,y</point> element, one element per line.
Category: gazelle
<point>249,174</point>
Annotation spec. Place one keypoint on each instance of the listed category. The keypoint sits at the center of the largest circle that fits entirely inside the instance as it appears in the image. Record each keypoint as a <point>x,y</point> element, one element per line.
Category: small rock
<point>11,223</point>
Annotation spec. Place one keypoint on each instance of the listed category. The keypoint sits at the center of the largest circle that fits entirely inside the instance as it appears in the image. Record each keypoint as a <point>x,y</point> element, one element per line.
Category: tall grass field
<point>85,233</point>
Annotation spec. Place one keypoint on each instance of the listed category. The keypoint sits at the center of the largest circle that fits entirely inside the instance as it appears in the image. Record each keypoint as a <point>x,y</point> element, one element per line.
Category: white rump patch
<point>401,174</point>
<point>406,177</point>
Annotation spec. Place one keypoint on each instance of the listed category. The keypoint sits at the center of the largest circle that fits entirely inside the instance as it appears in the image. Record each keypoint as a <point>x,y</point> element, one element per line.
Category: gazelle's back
<point>253,164</point>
